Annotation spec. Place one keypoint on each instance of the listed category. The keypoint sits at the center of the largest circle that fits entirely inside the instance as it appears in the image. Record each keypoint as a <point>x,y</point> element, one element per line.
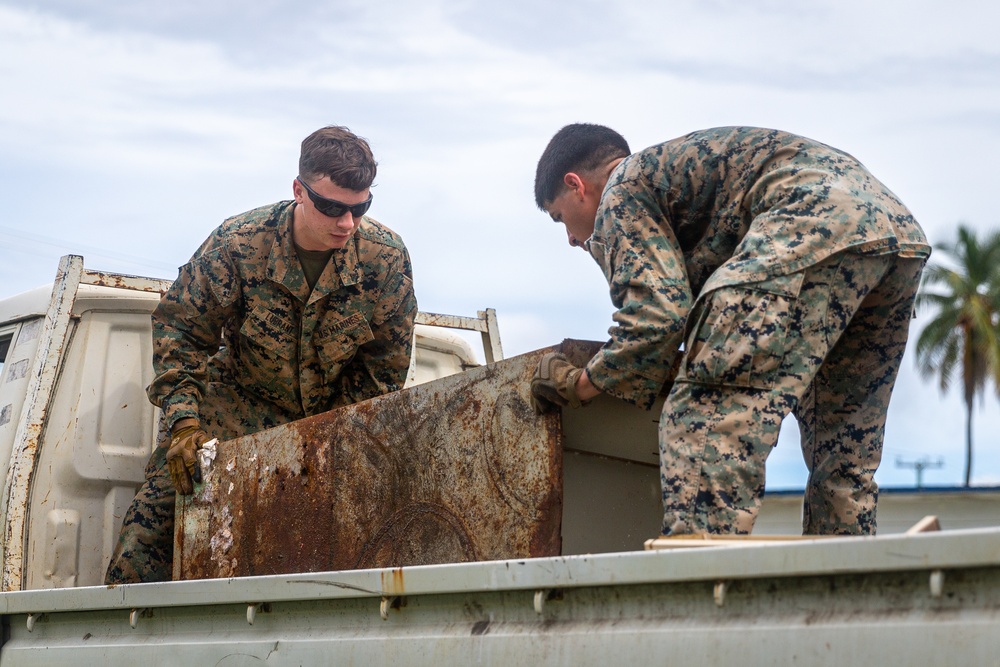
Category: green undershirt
<point>313,262</point>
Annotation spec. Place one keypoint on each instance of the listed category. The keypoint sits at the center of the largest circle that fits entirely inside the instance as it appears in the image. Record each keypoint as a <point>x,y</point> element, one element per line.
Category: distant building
<point>898,509</point>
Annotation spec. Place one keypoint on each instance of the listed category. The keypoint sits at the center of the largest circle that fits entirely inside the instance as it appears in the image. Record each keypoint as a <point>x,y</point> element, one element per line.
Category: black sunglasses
<point>334,208</point>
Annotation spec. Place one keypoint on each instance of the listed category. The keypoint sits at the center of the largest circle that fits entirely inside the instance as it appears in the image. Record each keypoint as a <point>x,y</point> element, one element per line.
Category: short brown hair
<point>337,152</point>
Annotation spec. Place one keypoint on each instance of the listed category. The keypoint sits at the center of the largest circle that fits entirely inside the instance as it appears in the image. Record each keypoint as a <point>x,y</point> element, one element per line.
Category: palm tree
<point>964,334</point>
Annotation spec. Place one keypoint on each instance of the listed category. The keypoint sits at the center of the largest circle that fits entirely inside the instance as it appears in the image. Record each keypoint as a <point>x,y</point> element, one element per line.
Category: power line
<point>74,247</point>
<point>920,466</point>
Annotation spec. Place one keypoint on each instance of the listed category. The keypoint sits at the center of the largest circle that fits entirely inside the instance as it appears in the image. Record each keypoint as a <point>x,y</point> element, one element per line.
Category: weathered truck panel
<point>931,599</point>
<point>458,469</point>
<point>81,371</point>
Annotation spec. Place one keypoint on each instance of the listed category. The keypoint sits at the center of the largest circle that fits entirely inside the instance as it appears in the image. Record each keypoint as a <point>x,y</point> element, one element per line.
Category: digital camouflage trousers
<point>824,344</point>
<point>145,548</point>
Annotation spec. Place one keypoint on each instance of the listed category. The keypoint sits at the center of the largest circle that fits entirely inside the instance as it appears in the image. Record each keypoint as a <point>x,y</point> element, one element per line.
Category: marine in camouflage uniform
<point>788,273</point>
<point>242,342</point>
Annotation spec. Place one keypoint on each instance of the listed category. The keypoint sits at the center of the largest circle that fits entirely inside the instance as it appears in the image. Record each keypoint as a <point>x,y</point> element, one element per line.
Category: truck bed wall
<point>930,599</point>
<point>98,435</point>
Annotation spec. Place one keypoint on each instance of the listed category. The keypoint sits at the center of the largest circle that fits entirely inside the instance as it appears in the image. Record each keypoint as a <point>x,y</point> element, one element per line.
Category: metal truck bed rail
<point>903,599</point>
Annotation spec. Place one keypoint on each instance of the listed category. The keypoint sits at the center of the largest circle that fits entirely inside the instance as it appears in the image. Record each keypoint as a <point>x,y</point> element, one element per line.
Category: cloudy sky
<point>128,131</point>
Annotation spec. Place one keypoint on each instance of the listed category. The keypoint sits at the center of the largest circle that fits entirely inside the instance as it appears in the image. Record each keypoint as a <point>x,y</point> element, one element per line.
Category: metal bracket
<point>719,593</point>
<point>540,601</point>
<point>937,583</point>
<point>388,602</point>
<point>31,621</point>
<point>252,612</point>
<point>485,323</point>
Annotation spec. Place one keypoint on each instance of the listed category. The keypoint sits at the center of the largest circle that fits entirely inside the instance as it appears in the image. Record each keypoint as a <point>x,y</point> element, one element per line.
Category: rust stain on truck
<point>455,470</point>
<point>393,582</point>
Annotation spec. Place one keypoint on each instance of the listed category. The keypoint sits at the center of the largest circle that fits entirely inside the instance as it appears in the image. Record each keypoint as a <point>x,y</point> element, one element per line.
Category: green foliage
<point>962,340</point>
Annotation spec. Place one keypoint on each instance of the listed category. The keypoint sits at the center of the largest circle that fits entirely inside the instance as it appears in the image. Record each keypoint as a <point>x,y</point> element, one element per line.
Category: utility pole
<point>920,466</point>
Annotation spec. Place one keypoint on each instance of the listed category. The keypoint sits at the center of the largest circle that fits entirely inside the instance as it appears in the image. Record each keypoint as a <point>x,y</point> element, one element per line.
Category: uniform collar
<point>284,266</point>
<point>343,270</point>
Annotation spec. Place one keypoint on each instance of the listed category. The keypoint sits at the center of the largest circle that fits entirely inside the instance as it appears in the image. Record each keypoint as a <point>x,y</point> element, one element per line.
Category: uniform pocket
<point>268,335</point>
<point>737,334</point>
<point>265,354</point>
<point>338,341</point>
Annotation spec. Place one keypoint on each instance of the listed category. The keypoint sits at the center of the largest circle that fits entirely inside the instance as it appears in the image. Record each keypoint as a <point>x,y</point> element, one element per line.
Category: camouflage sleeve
<point>380,365</point>
<point>644,266</point>
<point>187,330</point>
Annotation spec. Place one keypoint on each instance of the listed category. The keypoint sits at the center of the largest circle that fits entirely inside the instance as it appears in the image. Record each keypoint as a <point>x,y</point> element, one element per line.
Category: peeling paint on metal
<point>125,281</point>
<point>455,470</point>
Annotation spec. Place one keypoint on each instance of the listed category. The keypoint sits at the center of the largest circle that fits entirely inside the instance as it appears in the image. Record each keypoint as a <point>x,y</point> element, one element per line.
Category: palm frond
<point>963,297</point>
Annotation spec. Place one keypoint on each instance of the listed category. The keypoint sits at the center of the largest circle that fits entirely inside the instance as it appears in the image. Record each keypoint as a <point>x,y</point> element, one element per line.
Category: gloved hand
<point>554,383</point>
<point>185,438</point>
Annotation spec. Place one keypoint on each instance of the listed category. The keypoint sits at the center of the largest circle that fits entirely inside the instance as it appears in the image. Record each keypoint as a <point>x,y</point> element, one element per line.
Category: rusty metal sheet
<point>125,281</point>
<point>458,469</point>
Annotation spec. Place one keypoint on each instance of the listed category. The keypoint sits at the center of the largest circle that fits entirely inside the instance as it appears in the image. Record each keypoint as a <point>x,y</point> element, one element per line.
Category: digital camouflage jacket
<point>724,206</point>
<point>241,312</point>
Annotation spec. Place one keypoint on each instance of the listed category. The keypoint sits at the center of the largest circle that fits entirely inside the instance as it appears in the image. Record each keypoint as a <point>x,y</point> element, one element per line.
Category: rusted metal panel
<point>125,281</point>
<point>458,469</point>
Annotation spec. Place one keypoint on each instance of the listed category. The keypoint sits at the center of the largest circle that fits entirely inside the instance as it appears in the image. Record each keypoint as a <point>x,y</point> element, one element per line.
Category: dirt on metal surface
<point>459,469</point>
<point>125,281</point>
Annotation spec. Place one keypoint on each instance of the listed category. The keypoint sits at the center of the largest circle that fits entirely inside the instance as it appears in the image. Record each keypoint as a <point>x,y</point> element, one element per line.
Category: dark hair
<point>337,152</point>
<point>580,147</point>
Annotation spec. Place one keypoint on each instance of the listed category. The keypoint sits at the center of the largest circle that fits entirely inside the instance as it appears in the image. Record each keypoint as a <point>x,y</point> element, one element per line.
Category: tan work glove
<point>182,461</point>
<point>554,383</point>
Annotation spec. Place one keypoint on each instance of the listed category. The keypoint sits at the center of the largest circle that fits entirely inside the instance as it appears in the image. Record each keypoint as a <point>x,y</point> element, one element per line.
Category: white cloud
<point>117,101</point>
